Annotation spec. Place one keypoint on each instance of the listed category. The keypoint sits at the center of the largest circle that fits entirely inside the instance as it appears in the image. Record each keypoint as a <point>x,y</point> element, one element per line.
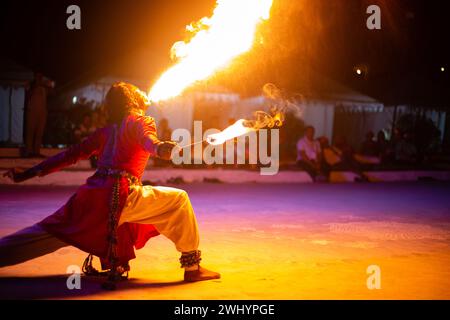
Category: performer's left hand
<point>19,175</point>
<point>15,174</point>
<point>165,149</point>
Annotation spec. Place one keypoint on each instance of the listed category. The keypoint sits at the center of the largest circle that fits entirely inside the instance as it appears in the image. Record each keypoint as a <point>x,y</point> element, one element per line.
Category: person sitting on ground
<point>332,156</point>
<point>369,146</point>
<point>339,157</point>
<point>368,157</point>
<point>309,154</point>
<point>84,129</point>
<point>385,150</point>
<point>405,150</point>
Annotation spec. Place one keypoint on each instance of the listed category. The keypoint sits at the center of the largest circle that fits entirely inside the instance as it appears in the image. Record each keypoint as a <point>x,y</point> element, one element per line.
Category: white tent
<point>216,106</point>
<point>316,110</point>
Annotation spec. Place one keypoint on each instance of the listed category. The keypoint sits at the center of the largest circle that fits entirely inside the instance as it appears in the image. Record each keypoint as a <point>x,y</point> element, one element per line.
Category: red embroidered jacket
<point>83,220</point>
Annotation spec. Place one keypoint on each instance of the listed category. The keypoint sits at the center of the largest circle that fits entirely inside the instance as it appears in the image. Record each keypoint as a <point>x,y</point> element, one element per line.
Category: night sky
<point>133,38</point>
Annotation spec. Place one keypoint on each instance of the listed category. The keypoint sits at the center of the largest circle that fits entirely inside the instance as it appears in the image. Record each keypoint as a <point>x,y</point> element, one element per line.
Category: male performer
<point>113,212</point>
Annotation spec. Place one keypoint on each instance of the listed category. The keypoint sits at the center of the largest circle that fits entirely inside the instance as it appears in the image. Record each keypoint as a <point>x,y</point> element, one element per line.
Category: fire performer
<point>113,212</point>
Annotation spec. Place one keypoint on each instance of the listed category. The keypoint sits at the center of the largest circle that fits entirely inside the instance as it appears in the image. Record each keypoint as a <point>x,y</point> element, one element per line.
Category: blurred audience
<point>369,146</point>
<point>318,158</point>
<point>309,155</point>
<point>339,157</point>
<point>385,149</point>
<point>369,154</point>
<point>84,129</point>
<point>405,150</point>
<point>164,131</point>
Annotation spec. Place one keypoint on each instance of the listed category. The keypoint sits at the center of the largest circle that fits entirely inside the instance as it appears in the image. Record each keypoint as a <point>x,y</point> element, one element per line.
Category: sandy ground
<point>283,241</point>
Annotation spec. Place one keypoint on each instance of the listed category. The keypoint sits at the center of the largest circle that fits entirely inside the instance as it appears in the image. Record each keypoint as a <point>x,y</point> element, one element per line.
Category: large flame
<point>235,130</point>
<point>216,41</point>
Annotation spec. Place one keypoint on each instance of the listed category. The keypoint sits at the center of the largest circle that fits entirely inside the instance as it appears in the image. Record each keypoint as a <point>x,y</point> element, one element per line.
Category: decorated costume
<point>113,213</point>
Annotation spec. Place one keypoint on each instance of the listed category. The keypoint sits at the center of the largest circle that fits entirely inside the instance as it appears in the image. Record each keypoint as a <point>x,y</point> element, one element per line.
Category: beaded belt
<point>113,217</point>
<point>117,173</point>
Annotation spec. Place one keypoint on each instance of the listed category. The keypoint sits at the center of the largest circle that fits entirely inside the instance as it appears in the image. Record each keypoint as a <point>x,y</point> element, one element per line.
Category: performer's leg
<point>27,244</point>
<point>171,212</point>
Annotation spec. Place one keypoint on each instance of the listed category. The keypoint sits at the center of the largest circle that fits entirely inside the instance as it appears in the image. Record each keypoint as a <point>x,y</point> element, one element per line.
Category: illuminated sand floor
<point>272,241</point>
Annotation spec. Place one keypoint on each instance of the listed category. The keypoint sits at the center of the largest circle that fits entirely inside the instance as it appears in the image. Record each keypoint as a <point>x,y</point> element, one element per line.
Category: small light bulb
<point>358,71</point>
<point>442,69</point>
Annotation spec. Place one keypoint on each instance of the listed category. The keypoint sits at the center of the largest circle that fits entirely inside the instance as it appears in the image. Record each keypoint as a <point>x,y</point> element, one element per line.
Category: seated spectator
<point>368,155</point>
<point>309,154</point>
<point>102,117</point>
<point>385,150</point>
<point>84,129</point>
<point>164,131</point>
<point>98,121</point>
<point>405,150</point>
<point>369,146</point>
<point>340,142</point>
<point>332,156</point>
<point>339,157</point>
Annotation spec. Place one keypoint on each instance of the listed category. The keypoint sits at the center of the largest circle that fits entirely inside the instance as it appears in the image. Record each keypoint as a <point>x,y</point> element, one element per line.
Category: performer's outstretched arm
<point>90,146</point>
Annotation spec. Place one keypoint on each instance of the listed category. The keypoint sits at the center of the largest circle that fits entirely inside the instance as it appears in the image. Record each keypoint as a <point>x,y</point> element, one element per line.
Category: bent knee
<point>182,194</point>
<point>183,199</point>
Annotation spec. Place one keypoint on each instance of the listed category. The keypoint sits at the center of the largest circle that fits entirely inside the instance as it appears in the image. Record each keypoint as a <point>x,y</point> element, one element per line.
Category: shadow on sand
<point>54,287</point>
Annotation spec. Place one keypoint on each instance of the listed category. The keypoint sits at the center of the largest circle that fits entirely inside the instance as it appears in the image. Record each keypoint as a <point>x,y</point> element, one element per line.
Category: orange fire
<point>216,41</point>
<point>235,130</point>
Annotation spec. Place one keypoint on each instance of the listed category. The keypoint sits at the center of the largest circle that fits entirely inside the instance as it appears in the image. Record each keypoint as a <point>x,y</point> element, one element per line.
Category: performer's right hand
<point>165,149</point>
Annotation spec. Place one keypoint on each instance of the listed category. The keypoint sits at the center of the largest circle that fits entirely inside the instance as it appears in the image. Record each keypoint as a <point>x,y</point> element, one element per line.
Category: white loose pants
<point>168,209</point>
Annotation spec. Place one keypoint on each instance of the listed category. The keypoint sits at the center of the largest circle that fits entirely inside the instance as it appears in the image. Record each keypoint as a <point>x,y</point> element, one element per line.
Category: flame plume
<point>237,129</point>
<point>216,41</point>
<point>279,105</point>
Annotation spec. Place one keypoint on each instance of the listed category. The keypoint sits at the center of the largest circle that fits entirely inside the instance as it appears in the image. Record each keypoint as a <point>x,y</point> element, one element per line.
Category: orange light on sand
<point>235,130</point>
<point>217,40</point>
